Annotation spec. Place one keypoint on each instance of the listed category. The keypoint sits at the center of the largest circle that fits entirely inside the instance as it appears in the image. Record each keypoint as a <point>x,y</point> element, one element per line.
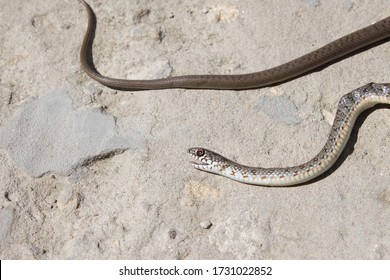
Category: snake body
<point>330,52</point>
<point>349,108</point>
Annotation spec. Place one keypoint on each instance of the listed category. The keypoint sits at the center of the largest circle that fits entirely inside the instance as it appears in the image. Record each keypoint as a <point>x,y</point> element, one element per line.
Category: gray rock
<point>314,3</point>
<point>47,135</point>
<point>347,4</point>
<point>279,108</point>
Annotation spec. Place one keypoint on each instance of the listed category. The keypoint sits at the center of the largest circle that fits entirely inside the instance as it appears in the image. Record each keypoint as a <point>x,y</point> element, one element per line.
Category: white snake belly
<point>349,108</point>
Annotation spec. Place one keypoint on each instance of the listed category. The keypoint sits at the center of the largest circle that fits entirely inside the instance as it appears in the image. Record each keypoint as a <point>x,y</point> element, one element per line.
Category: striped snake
<point>349,107</point>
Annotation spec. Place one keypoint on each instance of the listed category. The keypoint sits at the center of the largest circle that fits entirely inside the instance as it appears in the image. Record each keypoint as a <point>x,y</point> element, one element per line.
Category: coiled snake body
<point>350,105</point>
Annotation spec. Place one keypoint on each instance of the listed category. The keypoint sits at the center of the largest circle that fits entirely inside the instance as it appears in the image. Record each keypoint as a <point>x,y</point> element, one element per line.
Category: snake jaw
<point>199,164</point>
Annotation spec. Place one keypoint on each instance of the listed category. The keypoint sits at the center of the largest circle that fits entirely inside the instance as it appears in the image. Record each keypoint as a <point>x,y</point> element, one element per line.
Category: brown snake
<point>349,107</point>
<point>330,52</point>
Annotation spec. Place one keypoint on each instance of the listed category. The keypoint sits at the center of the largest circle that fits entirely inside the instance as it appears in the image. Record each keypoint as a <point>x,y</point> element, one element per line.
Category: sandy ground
<point>90,172</point>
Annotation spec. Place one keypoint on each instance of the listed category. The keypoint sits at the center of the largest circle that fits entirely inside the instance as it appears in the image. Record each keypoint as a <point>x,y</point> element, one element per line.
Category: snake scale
<point>349,107</point>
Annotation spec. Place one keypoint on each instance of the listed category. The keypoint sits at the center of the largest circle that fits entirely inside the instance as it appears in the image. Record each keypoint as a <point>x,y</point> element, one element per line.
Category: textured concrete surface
<point>88,172</point>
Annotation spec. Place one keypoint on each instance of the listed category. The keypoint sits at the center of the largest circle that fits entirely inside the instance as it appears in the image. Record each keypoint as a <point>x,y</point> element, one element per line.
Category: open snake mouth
<point>197,163</point>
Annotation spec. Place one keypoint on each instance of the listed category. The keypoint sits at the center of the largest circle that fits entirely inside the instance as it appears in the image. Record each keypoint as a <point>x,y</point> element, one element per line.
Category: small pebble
<point>172,233</point>
<point>65,196</point>
<point>206,224</point>
<point>314,3</point>
<point>347,4</point>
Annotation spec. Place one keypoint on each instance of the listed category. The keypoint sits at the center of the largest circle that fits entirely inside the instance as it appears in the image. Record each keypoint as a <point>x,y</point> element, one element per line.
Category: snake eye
<point>200,152</point>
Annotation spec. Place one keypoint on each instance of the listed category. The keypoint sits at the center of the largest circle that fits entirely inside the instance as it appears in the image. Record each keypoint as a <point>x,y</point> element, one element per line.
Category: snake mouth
<point>197,163</point>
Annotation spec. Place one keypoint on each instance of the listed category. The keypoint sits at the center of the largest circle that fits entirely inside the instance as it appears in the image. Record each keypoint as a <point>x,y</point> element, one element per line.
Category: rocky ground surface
<point>89,172</point>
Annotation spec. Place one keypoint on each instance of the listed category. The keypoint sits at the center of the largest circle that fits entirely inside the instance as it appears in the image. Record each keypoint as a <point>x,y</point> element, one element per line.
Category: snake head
<point>206,160</point>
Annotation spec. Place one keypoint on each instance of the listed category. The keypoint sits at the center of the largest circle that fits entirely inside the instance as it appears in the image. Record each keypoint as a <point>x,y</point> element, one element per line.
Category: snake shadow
<point>349,148</point>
